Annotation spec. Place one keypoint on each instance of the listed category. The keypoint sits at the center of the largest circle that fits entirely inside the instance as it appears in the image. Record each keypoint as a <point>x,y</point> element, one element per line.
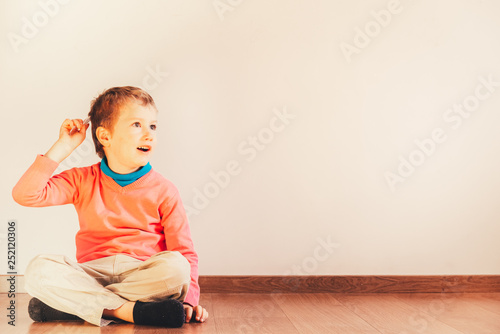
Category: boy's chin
<point>143,161</point>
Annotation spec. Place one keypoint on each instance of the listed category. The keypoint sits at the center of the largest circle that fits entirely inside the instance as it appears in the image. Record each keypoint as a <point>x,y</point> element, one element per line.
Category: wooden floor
<point>306,313</point>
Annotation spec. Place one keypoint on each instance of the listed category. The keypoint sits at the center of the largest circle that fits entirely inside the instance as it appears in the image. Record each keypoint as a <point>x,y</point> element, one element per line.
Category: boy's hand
<point>69,139</point>
<point>196,313</point>
<point>72,129</point>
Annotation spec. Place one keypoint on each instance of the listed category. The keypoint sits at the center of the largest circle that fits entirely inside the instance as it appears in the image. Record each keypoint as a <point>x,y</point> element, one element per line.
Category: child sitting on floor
<point>135,256</point>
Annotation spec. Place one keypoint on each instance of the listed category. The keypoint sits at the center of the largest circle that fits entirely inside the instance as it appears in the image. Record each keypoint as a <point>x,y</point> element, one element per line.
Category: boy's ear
<point>103,136</point>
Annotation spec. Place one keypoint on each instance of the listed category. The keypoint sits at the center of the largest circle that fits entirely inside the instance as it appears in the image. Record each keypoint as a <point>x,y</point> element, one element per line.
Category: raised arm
<point>36,187</point>
<point>69,139</point>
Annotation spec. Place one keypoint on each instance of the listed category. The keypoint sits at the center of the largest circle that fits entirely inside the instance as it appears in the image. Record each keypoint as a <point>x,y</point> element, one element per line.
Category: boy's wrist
<point>59,151</point>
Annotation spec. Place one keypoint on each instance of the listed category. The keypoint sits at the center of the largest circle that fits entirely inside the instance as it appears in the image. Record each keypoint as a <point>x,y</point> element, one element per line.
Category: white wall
<point>356,103</point>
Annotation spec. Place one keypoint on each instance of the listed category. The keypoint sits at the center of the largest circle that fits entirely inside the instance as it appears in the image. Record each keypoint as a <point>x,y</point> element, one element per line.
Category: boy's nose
<point>148,134</point>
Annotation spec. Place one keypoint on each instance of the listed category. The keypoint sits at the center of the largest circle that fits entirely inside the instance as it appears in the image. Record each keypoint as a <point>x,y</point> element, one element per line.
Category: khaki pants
<point>86,289</point>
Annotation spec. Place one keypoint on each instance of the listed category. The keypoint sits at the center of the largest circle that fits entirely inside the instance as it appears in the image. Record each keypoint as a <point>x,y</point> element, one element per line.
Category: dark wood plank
<point>350,284</point>
<point>307,313</point>
<point>249,313</point>
<point>321,313</point>
<point>245,305</point>
<point>388,314</point>
<point>461,311</point>
<point>257,325</point>
<point>488,301</point>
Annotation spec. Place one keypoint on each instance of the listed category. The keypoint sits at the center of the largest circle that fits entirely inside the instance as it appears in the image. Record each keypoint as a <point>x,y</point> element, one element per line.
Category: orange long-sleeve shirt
<point>139,220</point>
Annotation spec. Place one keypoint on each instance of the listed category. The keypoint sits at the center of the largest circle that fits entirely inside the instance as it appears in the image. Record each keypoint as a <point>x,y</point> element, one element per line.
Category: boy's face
<point>133,138</point>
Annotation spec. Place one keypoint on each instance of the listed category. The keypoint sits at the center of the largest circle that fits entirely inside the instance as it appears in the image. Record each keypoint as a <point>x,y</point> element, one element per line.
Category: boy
<point>136,260</point>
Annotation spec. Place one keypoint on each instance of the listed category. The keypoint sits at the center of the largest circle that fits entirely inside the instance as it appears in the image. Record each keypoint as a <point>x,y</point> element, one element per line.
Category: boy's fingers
<point>199,313</point>
<point>189,313</point>
<point>82,125</point>
<point>67,123</point>
<point>78,123</point>
<point>74,125</point>
<point>66,126</point>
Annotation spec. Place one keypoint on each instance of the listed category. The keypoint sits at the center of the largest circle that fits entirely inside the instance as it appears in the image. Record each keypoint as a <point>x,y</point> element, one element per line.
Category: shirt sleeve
<point>37,187</point>
<point>178,238</point>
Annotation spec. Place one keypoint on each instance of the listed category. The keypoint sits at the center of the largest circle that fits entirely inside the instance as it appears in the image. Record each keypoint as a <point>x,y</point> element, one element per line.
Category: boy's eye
<point>137,124</point>
<point>153,126</point>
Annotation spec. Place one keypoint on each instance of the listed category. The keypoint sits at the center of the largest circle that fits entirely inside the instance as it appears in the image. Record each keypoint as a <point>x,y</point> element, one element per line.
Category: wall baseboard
<point>351,284</point>
<point>332,284</point>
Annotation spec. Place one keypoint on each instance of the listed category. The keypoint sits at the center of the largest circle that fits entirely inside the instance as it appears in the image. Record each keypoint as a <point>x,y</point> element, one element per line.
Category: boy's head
<point>112,111</point>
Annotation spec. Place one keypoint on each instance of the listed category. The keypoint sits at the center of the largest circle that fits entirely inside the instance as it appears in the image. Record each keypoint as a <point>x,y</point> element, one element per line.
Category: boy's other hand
<point>196,313</point>
<point>71,134</point>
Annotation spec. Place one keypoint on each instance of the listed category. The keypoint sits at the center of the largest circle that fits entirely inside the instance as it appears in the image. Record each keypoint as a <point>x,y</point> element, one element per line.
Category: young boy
<point>135,256</point>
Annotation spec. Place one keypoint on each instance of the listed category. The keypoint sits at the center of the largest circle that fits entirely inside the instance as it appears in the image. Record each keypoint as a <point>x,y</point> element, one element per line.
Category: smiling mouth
<point>144,148</point>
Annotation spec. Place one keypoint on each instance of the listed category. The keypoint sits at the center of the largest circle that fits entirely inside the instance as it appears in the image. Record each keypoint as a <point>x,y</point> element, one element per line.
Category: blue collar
<point>124,179</point>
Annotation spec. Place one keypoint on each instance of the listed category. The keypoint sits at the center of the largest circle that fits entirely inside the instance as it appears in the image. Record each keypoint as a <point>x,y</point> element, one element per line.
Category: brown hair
<point>104,110</point>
